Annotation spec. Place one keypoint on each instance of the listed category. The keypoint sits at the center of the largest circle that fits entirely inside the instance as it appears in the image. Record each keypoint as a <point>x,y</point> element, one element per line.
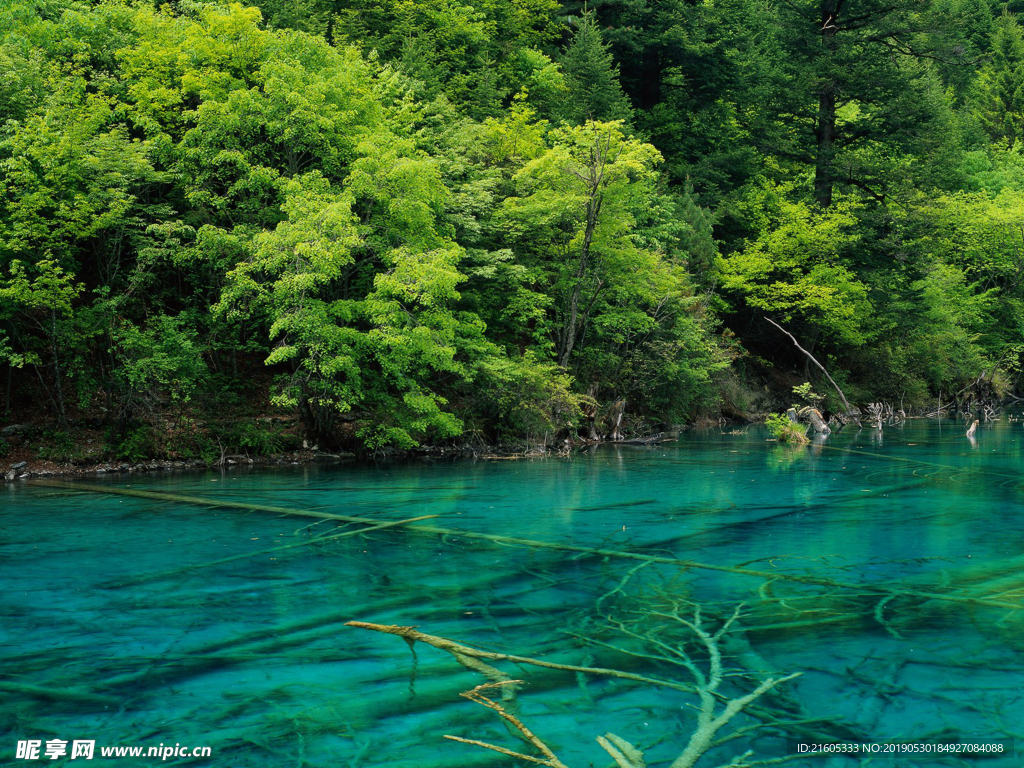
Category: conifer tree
<point>592,77</point>
<point>1001,85</point>
<point>486,95</point>
<point>698,241</point>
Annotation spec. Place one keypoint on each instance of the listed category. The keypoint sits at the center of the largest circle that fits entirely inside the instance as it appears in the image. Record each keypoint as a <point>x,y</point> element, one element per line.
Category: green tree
<point>860,92</point>
<point>576,206</point>
<point>1001,84</point>
<point>39,302</point>
<point>591,223</point>
<point>374,353</point>
<point>156,366</point>
<point>801,266</point>
<point>592,78</point>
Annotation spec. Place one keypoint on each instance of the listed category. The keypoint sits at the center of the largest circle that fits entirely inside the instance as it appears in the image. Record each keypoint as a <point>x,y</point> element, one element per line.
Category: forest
<point>403,223</point>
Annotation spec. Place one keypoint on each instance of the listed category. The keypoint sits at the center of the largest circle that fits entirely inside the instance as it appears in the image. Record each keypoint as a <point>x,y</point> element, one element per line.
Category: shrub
<point>188,440</point>
<point>809,396</point>
<point>133,445</point>
<point>526,397</point>
<point>785,431</point>
<point>59,446</point>
<point>158,365</point>
<point>260,440</point>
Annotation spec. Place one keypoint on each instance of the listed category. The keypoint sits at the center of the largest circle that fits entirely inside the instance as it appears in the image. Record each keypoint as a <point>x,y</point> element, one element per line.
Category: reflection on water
<point>888,570</point>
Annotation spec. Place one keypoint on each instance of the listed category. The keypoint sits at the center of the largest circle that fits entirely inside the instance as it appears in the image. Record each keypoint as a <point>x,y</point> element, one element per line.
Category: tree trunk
<point>572,324</point>
<point>62,417</point>
<point>593,177</point>
<point>7,398</point>
<point>826,130</point>
<point>792,338</point>
<point>814,418</point>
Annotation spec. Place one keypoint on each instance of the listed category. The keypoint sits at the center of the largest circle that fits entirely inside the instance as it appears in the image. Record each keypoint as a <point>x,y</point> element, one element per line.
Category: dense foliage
<point>414,222</point>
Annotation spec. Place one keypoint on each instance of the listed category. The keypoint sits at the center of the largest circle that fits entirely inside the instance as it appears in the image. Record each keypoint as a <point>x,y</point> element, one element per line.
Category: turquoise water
<point>887,569</point>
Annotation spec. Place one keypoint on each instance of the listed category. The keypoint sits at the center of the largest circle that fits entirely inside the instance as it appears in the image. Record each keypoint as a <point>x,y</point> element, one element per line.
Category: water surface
<point>887,569</point>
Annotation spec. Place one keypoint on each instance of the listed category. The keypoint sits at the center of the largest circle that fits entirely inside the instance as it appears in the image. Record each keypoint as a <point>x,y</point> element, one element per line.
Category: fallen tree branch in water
<point>881,590</point>
<point>59,694</point>
<point>466,656</point>
<point>623,753</point>
<point>713,714</point>
<point>477,695</point>
<point>709,720</point>
<point>249,555</point>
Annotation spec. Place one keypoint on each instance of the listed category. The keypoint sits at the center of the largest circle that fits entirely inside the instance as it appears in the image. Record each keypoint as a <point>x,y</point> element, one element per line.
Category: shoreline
<point>30,469</point>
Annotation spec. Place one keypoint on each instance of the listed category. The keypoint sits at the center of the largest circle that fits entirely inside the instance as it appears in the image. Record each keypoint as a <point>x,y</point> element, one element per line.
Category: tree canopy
<point>420,222</point>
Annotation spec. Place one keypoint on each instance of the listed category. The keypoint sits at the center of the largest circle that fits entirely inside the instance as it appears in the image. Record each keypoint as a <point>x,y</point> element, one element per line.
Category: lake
<point>887,569</point>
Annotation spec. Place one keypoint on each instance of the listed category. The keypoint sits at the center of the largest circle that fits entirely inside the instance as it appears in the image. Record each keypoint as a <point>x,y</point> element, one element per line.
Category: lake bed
<point>885,568</point>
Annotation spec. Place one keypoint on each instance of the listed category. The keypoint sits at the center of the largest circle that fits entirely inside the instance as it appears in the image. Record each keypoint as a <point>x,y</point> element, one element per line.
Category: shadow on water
<point>887,570</point>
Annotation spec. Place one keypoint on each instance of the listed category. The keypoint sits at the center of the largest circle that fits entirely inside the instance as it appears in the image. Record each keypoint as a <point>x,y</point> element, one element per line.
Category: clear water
<point>251,657</point>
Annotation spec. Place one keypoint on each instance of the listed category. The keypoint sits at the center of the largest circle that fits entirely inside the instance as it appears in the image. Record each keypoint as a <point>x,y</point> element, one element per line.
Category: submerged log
<point>473,760</point>
<point>881,590</point>
<point>72,695</point>
<point>249,555</point>
<point>469,657</point>
<point>649,440</point>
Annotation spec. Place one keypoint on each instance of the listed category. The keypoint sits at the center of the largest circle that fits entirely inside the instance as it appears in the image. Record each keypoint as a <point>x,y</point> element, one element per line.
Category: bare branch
<point>477,695</point>
<point>703,738</point>
<point>623,753</point>
<point>466,656</point>
<point>849,408</point>
<point>496,748</point>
